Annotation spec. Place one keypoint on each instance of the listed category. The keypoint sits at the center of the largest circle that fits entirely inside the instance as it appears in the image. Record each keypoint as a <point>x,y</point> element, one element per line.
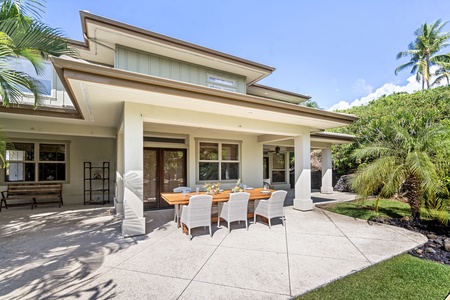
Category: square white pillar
<point>327,171</point>
<point>118,199</point>
<point>302,149</point>
<point>133,222</point>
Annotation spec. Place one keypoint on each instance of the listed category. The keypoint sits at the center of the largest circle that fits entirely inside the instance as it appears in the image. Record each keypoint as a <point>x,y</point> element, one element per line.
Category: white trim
<point>36,161</point>
<point>219,161</point>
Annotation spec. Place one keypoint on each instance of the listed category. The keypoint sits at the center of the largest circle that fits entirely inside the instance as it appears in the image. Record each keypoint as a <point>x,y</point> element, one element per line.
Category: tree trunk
<point>414,196</point>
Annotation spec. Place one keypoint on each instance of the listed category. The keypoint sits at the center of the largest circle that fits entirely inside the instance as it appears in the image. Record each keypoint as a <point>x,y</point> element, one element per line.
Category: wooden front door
<point>164,170</point>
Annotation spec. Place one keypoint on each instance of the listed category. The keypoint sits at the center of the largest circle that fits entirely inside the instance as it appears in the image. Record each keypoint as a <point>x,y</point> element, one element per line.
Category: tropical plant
<point>442,73</point>
<point>23,35</point>
<point>310,103</point>
<point>412,111</point>
<point>3,143</point>
<point>423,51</point>
<point>404,159</point>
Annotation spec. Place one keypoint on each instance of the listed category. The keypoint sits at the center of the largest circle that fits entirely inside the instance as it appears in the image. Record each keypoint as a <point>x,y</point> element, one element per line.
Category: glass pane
<point>209,151</point>
<point>278,161</point>
<point>230,152</point>
<point>265,167</point>
<point>230,171</point>
<point>45,76</point>
<point>208,171</point>
<point>52,172</point>
<point>278,176</point>
<point>20,172</point>
<point>20,151</point>
<point>52,152</point>
<point>150,177</point>
<point>173,169</point>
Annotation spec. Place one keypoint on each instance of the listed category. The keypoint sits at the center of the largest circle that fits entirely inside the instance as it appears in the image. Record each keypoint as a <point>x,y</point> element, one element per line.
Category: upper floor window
<point>46,77</point>
<point>218,161</point>
<point>35,162</point>
<point>221,83</point>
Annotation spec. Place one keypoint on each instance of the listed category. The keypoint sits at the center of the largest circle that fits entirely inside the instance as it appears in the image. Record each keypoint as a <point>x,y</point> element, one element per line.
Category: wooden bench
<point>32,194</point>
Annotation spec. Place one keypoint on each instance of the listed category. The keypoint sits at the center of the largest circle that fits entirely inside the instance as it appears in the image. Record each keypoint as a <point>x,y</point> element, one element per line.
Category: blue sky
<point>334,51</point>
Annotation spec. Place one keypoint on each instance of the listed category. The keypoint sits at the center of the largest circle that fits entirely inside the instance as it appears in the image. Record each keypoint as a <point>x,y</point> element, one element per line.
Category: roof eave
<point>62,65</point>
<point>87,16</point>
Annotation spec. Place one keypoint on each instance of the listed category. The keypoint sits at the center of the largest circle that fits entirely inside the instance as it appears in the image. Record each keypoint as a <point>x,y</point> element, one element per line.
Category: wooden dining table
<point>177,199</point>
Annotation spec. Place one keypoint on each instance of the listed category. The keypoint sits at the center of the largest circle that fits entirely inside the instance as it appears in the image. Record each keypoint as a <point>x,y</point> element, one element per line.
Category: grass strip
<point>402,277</point>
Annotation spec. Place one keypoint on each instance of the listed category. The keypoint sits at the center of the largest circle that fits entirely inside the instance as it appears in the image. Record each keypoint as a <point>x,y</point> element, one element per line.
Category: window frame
<point>279,169</point>
<point>232,87</point>
<point>22,64</point>
<point>220,160</point>
<point>37,161</point>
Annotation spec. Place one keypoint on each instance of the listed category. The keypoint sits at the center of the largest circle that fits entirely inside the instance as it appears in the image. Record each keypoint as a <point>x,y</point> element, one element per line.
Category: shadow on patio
<point>50,252</point>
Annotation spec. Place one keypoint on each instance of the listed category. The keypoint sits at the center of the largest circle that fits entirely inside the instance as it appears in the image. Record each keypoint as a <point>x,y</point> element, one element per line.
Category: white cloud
<point>362,87</point>
<point>386,89</point>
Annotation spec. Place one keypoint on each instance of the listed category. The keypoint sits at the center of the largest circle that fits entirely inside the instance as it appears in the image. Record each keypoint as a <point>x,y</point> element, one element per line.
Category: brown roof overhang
<point>75,69</point>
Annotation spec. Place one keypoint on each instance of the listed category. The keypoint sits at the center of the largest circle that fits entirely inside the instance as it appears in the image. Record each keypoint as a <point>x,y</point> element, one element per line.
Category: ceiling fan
<point>276,151</point>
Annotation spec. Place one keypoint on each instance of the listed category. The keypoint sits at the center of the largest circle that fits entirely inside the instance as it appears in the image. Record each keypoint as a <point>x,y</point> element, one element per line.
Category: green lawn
<point>402,277</point>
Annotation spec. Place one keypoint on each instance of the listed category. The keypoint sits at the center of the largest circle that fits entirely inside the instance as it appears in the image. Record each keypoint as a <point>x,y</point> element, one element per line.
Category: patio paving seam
<point>261,250</point>
<point>119,268</point>
<point>330,257</point>
<point>348,238</point>
<point>287,256</point>
<point>143,249</point>
<point>241,288</point>
<point>206,261</point>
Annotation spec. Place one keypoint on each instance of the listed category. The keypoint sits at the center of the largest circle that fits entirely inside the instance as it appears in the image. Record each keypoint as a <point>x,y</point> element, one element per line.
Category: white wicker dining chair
<point>234,210</point>
<point>179,189</point>
<point>197,213</point>
<point>272,207</point>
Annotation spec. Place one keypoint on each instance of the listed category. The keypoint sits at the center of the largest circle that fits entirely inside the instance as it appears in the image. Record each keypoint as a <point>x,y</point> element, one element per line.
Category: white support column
<point>133,222</point>
<point>118,201</point>
<point>302,200</point>
<point>327,171</point>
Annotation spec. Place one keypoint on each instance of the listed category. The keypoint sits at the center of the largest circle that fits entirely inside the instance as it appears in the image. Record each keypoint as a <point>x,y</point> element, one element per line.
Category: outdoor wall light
<point>277,150</point>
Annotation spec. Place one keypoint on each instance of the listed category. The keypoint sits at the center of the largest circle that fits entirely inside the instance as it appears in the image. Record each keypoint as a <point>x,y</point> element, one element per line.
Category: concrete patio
<point>77,252</point>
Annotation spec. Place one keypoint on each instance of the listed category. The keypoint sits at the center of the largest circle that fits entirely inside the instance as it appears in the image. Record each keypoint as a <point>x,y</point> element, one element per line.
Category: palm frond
<point>4,141</point>
<point>22,8</point>
<point>10,83</point>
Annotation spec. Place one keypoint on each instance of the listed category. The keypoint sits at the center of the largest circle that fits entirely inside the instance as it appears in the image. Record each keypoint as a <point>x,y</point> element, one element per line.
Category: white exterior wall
<point>213,126</point>
<point>81,149</point>
<point>251,156</point>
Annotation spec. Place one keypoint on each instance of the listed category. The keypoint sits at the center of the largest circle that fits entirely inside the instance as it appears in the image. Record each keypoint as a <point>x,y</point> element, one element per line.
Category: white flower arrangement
<point>212,188</point>
<point>237,188</point>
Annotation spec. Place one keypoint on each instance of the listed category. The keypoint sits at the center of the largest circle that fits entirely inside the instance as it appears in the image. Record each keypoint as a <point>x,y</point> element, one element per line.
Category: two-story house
<point>164,113</point>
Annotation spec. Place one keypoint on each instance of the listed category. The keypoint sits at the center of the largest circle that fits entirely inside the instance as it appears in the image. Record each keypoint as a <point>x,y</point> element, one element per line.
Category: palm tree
<point>423,51</point>
<point>310,103</point>
<point>23,35</point>
<point>442,73</point>
<point>404,160</point>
